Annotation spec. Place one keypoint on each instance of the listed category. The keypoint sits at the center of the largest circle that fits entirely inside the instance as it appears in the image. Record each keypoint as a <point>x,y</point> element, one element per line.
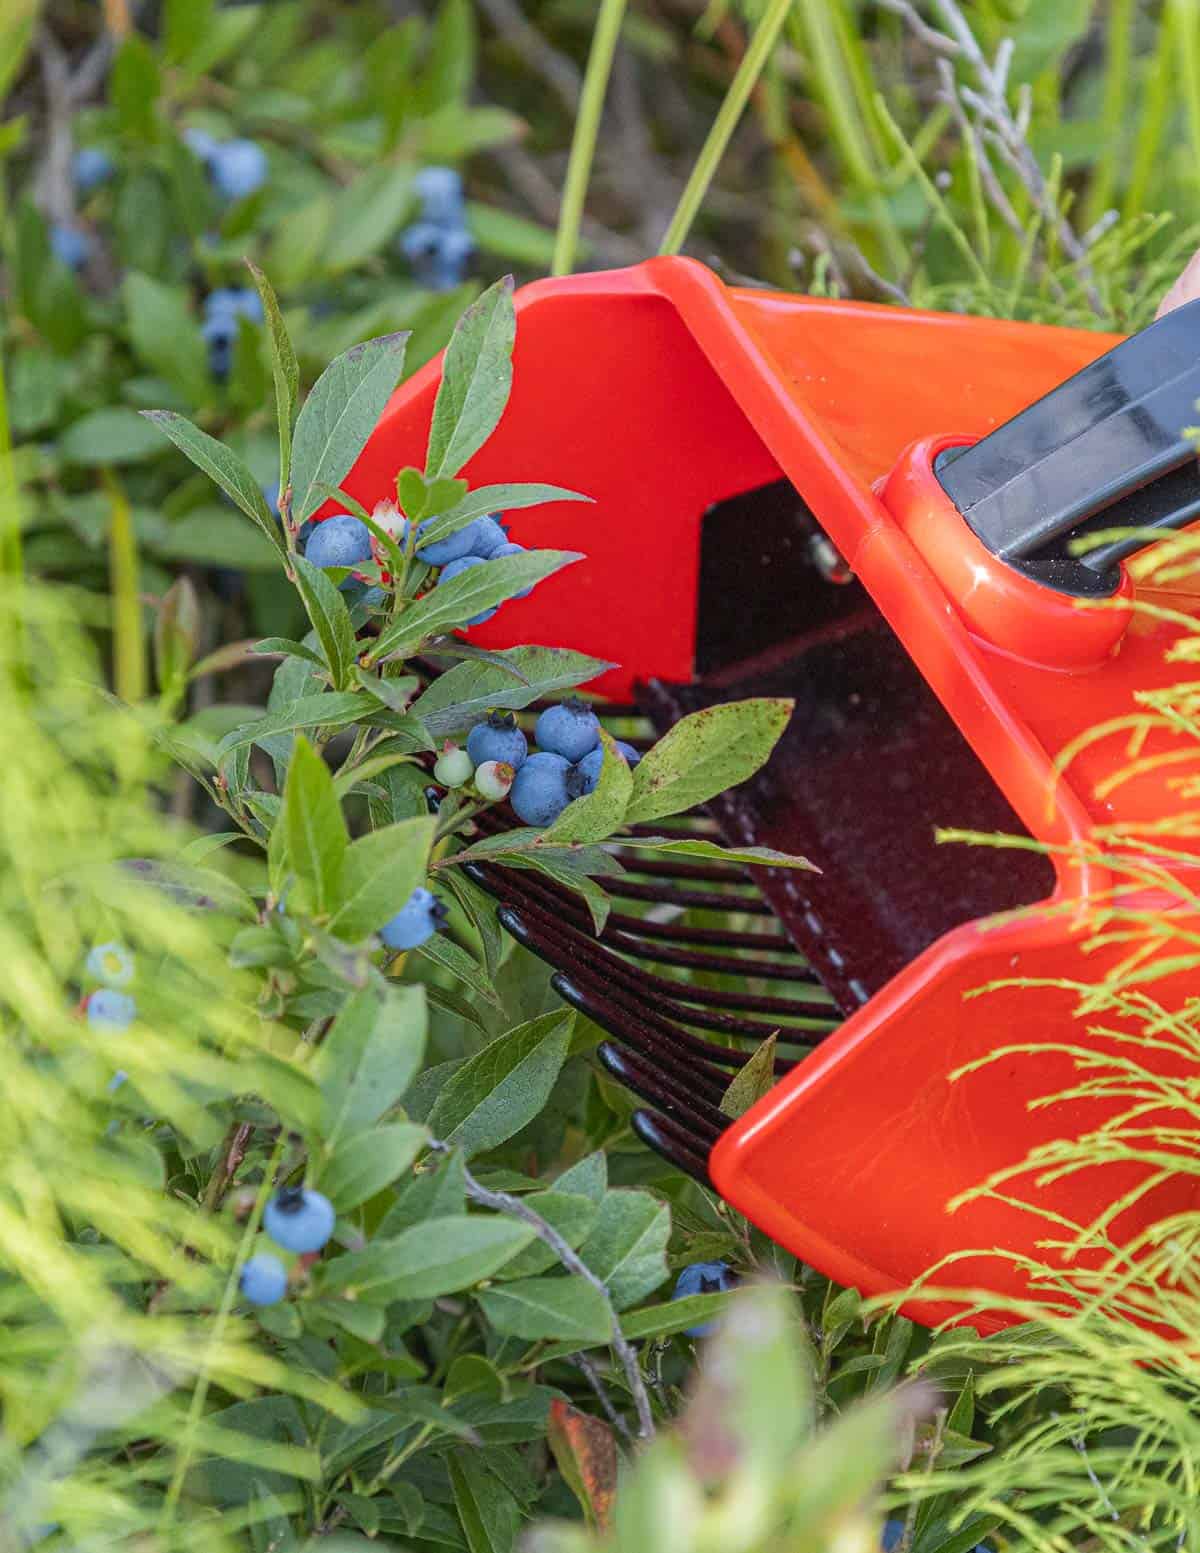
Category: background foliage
<point>1025,159</point>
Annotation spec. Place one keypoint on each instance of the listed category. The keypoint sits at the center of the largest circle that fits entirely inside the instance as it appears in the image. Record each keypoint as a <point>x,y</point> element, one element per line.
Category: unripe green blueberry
<point>454,767</point>
<point>494,778</point>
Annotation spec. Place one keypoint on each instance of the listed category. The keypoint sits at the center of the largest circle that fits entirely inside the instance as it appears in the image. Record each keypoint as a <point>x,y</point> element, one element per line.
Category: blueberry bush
<point>319,1226</point>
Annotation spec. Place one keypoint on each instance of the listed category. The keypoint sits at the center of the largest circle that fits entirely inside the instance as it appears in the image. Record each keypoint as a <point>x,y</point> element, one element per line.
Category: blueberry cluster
<point>703,1278</point>
<point>299,1220</point>
<point>235,168</point>
<point>438,245</point>
<point>566,765</point>
<point>222,309</point>
<point>483,540</point>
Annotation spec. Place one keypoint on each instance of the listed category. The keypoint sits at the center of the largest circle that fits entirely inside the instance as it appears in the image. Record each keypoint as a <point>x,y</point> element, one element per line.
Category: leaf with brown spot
<point>586,1454</point>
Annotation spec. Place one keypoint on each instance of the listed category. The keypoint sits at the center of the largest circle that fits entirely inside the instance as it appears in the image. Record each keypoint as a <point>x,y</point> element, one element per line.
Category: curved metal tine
<point>688,900</point>
<point>772,943</point>
<point>569,948</point>
<point>660,1134</point>
<point>705,1122</point>
<point>636,861</point>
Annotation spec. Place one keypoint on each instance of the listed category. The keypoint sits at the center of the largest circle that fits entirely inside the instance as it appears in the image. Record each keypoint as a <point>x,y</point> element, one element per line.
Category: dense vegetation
<point>204,769</point>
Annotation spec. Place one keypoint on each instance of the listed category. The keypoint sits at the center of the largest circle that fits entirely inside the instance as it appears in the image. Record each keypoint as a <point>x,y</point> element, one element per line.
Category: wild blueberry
<point>418,919</point>
<point>498,738</point>
<point>238,168</point>
<point>339,541</point>
<point>264,1279</point>
<point>570,729</point>
<point>455,546</point>
<point>703,1278</point>
<point>586,773</point>
<point>508,548</point>
<point>220,332</point>
<point>299,1219</point>
<point>539,791</point>
<point>454,767</point>
<point>271,496</point>
<point>494,779</point>
<point>454,569</point>
<point>234,302</point>
<point>111,963</point>
<point>90,168</point>
<point>440,191</point>
<point>71,246</point>
<point>110,1011</point>
<point>487,536</point>
<point>202,146</point>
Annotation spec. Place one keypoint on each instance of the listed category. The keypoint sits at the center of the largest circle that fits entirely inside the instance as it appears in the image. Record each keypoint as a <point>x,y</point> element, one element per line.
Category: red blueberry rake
<point>738,445</point>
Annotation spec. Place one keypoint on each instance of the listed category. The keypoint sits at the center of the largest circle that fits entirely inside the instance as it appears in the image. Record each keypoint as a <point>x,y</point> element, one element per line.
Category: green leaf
<point>332,710</point>
<point>450,956</point>
<point>435,1257</point>
<point>316,831</point>
<point>588,1176</point>
<point>382,869</point>
<point>568,869</point>
<point>692,1310</point>
<point>572,1214</point>
<point>270,646</point>
<point>627,1248</point>
<point>752,1081</point>
<point>326,608</point>
<point>284,370</point>
<point>533,1308</point>
<point>499,1090</point>
<point>339,415</point>
<point>369,1057</point>
<point>469,594</point>
<point>365,1164</point>
<point>166,336</point>
<point>704,754</point>
<point>436,1190</point>
<point>221,465</point>
<point>601,812</point>
<point>134,86</point>
<point>759,857</point>
<point>366,214</point>
<point>486,499</point>
<point>215,536</point>
<point>112,436</point>
<point>459,698</point>
<point>489,1515</point>
<point>476,379</point>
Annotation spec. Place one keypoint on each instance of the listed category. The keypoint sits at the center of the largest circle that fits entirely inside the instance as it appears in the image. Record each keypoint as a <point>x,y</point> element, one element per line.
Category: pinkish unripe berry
<point>493,779</point>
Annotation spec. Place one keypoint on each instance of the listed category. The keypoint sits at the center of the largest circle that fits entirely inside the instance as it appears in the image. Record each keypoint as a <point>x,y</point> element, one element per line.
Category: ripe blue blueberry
<point>418,919</point>
<point>454,569</point>
<point>703,1278</point>
<point>440,191</point>
<point>488,536</point>
<point>90,168</point>
<point>238,169</point>
<point>220,332</point>
<point>71,246</point>
<point>539,792</point>
<point>111,963</point>
<point>498,738</point>
<point>110,1011</point>
<point>586,774</point>
<point>202,146</point>
<point>271,496</point>
<point>508,548</point>
<point>264,1279</point>
<point>438,252</point>
<point>299,1219</point>
<point>234,302</point>
<point>570,729</point>
<point>339,541</point>
<point>456,546</point>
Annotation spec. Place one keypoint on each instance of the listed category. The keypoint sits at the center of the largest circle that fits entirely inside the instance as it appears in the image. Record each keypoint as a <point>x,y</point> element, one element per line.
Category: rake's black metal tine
<point>660,1134</point>
<point>636,862</point>
<point>668,1048</point>
<point>680,827</point>
<point>774,943</point>
<point>568,948</point>
<point>689,900</point>
<point>704,960</point>
<point>705,1121</point>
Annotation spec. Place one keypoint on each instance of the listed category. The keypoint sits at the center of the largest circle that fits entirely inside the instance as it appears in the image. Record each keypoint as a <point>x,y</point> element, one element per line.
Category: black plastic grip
<point>1105,450</point>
